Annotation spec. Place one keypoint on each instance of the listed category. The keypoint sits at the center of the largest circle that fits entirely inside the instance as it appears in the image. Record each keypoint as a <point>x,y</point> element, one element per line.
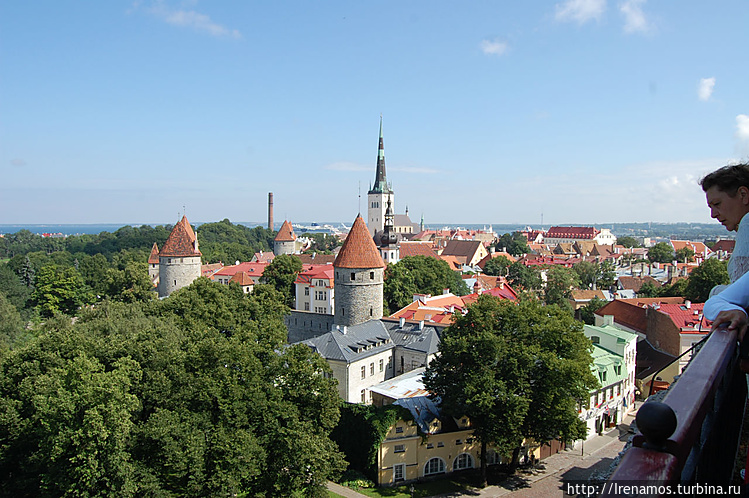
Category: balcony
<point>692,436</point>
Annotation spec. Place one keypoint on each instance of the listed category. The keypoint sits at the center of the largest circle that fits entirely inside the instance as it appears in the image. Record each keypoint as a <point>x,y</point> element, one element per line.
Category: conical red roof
<point>285,234</point>
<point>181,242</point>
<point>359,250</point>
<point>153,259</point>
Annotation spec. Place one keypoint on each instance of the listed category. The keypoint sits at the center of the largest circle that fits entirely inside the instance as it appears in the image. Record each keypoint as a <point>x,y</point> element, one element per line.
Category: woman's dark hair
<point>728,179</point>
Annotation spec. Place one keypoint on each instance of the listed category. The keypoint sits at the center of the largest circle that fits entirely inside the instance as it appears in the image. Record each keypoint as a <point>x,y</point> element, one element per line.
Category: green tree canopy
<point>684,255</point>
<point>60,290</point>
<point>516,370</point>
<point>281,273</point>
<point>498,266</point>
<point>662,252</point>
<point>524,277</point>
<point>514,243</point>
<point>587,312</point>
<point>649,289</point>
<point>627,241</point>
<point>419,275</point>
<point>192,395</point>
<point>710,273</point>
<point>560,282</point>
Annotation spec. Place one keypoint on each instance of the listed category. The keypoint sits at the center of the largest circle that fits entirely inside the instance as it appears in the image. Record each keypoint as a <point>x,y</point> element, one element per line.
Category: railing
<point>692,436</point>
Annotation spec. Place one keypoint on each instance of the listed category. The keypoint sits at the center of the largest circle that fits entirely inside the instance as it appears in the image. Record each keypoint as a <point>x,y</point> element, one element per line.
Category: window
<point>492,458</point>
<point>434,466</point>
<point>430,446</point>
<point>458,441</point>
<point>363,372</point>
<point>399,430</point>
<point>399,448</point>
<point>440,444</point>
<point>371,369</point>
<point>353,276</point>
<point>363,395</point>
<point>371,275</point>
<point>595,339</point>
<point>306,306</point>
<point>370,312</point>
<point>381,365</point>
<point>463,461</point>
<point>399,472</point>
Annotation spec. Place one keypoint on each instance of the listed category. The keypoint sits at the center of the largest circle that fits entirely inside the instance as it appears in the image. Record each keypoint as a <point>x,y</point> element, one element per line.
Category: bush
<point>355,480</point>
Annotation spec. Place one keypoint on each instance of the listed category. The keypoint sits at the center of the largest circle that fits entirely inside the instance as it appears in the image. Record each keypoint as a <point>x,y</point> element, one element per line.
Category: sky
<point>566,112</point>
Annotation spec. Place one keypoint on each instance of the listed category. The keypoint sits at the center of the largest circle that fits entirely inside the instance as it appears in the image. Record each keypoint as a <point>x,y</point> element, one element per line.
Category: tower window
<point>370,312</point>
<point>353,276</point>
<point>371,275</point>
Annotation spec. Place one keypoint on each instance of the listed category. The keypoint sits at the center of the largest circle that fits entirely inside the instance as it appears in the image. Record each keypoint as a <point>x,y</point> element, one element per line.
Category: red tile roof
<point>359,250</point>
<point>254,270</point>
<point>153,259</point>
<point>316,258</point>
<point>724,245</point>
<point>285,233</point>
<point>319,272</point>
<point>687,317</point>
<point>242,279</point>
<point>580,233</point>
<point>417,249</point>
<point>181,242</point>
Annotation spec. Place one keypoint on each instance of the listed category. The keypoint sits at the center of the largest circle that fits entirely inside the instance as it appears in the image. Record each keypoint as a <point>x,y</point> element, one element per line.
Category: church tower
<point>388,239</point>
<point>359,278</point>
<point>179,259</point>
<point>380,193</point>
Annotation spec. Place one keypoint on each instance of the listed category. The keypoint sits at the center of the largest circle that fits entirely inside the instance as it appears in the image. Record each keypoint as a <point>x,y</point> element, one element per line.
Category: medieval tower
<point>380,193</point>
<point>179,259</point>
<point>359,278</point>
<point>285,241</point>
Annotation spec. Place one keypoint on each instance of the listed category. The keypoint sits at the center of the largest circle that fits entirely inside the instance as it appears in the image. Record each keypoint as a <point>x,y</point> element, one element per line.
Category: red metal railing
<point>693,434</point>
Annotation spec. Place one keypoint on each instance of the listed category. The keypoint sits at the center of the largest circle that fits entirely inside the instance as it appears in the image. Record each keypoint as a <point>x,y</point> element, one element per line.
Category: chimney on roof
<point>421,325</point>
<point>445,292</point>
<point>688,304</point>
<point>608,319</point>
<point>402,322</point>
<point>270,210</point>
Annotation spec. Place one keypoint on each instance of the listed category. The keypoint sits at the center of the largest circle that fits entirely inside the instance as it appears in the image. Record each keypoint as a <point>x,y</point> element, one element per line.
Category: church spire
<point>380,184</point>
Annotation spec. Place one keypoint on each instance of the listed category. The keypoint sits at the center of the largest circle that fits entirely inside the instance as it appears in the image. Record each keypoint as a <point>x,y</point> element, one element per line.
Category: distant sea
<point>72,229</point>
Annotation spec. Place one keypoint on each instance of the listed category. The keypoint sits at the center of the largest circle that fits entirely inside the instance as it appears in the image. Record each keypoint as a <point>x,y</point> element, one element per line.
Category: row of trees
<point>196,395</point>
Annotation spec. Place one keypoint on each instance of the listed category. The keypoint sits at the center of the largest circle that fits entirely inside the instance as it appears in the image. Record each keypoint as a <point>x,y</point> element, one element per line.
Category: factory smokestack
<point>270,210</point>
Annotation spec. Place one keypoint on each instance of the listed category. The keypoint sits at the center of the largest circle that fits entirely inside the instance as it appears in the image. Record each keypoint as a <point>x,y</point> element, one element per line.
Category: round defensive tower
<point>359,278</point>
<point>179,259</point>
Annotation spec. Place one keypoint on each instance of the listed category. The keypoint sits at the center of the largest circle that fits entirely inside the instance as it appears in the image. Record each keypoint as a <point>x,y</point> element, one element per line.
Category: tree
<point>587,312</point>
<point>587,273</point>
<point>710,273</point>
<point>627,241</point>
<point>524,277</point>
<point>648,289</point>
<point>676,289</point>
<point>516,370</point>
<point>515,243</point>
<point>497,266</point>
<point>419,275</point>
<point>559,284</point>
<point>684,255</point>
<point>281,273</point>
<point>11,324</point>
<point>59,290</point>
<point>662,252</point>
<point>606,275</point>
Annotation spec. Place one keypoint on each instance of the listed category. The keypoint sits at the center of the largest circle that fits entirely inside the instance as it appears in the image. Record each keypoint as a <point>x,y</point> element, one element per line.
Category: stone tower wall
<point>358,299</point>
<point>175,273</point>
<point>377,205</point>
<point>287,247</point>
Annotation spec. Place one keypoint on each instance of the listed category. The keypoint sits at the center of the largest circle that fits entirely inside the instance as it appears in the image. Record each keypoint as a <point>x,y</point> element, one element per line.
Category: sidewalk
<point>344,491</point>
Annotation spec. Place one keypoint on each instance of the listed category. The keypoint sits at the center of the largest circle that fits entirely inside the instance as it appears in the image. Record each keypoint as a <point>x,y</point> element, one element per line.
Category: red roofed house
<point>252,271</point>
<point>558,235</point>
<point>701,251</point>
<point>359,278</point>
<point>437,309</point>
<point>314,289</point>
<point>179,259</point>
<point>467,252</point>
<point>246,282</point>
<point>724,248</point>
<point>417,249</point>
<point>285,241</point>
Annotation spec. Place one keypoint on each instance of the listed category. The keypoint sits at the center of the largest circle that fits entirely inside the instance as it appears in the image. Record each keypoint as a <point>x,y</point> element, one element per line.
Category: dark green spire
<point>380,184</point>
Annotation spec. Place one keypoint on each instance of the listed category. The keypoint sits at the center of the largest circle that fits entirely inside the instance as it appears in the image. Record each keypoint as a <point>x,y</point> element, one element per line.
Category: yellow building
<point>428,445</point>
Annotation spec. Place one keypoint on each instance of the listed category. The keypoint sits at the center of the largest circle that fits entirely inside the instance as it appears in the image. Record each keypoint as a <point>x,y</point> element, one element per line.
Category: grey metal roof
<point>352,343</point>
<point>423,410</point>
<point>410,336</point>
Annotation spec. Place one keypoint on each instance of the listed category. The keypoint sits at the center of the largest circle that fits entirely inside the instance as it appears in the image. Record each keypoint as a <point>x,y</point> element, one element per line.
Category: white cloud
<point>580,11</point>
<point>18,162</point>
<point>705,89</point>
<point>634,17</point>
<point>493,47</point>
<point>191,19</point>
<point>742,127</point>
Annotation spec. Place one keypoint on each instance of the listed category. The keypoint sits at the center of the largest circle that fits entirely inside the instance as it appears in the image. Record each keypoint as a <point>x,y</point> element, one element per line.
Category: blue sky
<point>581,111</point>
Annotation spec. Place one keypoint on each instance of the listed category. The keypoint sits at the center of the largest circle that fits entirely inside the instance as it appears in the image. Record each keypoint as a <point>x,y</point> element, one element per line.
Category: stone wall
<point>175,273</point>
<point>303,325</point>
<point>358,295</point>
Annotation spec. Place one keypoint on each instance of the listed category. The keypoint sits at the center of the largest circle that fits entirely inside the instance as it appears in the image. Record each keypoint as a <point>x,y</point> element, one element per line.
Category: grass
<point>421,490</point>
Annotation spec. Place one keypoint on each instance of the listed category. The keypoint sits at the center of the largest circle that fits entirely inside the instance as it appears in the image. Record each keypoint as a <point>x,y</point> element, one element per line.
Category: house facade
<point>314,289</point>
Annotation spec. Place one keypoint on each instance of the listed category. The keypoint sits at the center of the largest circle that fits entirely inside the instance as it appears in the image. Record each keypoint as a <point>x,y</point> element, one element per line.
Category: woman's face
<point>726,209</point>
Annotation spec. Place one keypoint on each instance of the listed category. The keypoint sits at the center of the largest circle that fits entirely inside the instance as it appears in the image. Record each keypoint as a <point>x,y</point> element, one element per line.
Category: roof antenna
<point>359,196</point>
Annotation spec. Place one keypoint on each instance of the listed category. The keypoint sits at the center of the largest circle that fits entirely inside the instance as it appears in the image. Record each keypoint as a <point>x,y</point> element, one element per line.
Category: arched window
<point>463,461</point>
<point>492,457</point>
<point>434,466</point>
